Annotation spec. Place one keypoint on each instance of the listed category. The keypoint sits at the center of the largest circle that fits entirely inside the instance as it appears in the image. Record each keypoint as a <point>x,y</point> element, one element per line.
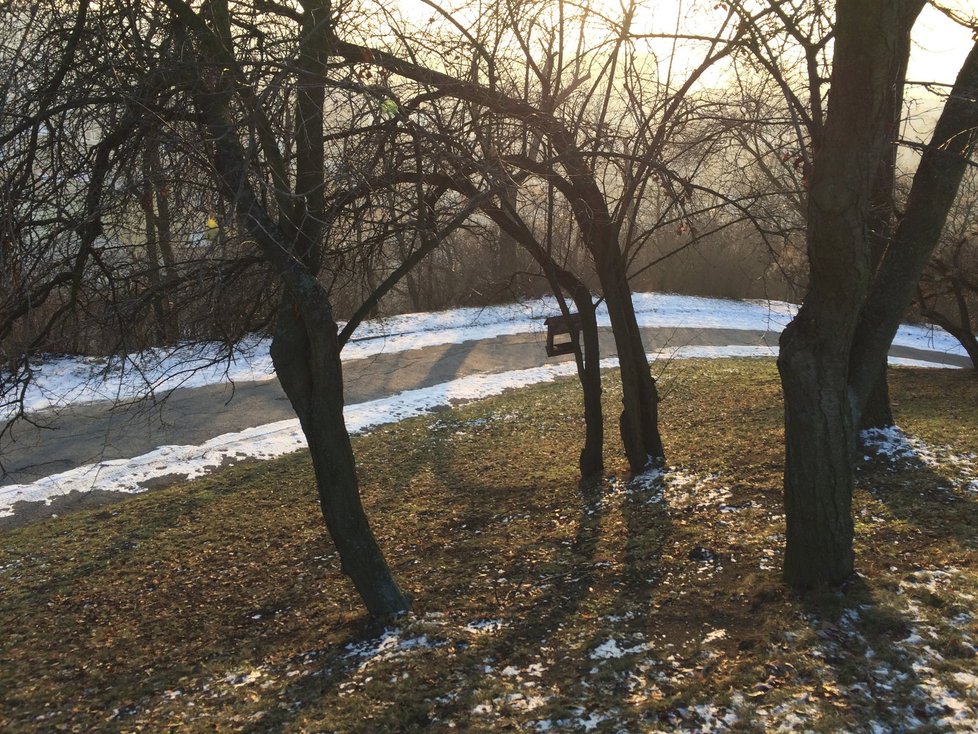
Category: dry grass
<point>217,605</point>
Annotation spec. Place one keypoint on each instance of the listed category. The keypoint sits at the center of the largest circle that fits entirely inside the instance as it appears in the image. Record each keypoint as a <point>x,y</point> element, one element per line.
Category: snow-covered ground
<point>60,382</point>
<point>70,380</point>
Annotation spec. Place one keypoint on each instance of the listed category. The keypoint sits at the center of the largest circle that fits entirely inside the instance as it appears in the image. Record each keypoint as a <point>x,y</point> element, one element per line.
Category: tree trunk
<point>877,412</point>
<point>304,350</point>
<point>639,421</point>
<point>815,348</point>
<point>589,372</point>
<point>818,475</point>
<point>588,355</point>
<point>307,362</point>
<point>935,185</point>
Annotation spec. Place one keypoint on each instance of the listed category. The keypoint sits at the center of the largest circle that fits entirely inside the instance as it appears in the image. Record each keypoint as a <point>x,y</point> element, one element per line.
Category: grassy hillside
<point>541,604</point>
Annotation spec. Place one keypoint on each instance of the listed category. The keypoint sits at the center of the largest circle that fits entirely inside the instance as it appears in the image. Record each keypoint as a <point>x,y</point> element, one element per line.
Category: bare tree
<point>245,105</point>
<point>572,141</point>
<point>833,351</point>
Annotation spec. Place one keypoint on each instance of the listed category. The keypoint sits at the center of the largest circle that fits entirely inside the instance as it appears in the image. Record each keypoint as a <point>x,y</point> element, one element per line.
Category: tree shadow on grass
<point>941,507</point>
<point>871,661</point>
<point>505,553</point>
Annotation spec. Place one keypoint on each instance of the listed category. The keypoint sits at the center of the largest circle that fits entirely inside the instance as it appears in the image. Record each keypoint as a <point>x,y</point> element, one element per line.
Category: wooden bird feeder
<point>563,326</point>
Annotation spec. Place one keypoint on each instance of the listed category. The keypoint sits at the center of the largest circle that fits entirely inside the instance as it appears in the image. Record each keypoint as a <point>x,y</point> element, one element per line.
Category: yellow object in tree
<point>211,229</point>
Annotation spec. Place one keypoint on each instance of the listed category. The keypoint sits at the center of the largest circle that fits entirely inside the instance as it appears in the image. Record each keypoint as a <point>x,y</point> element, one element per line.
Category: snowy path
<point>403,367</point>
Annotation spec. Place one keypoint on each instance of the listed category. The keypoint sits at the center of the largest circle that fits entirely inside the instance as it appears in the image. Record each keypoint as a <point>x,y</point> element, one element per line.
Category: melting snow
<point>484,626</point>
<point>67,380</point>
<point>64,381</point>
<point>610,649</point>
<point>389,645</point>
<point>897,447</point>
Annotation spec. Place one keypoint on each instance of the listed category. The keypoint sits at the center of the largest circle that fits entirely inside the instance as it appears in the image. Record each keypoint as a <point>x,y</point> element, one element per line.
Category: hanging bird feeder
<point>561,326</point>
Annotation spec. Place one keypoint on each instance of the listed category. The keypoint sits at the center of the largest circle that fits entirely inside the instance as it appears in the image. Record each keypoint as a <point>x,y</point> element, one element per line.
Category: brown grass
<point>218,606</point>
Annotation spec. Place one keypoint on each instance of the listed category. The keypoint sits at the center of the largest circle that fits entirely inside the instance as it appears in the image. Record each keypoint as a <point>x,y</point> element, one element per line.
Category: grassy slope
<point>217,605</point>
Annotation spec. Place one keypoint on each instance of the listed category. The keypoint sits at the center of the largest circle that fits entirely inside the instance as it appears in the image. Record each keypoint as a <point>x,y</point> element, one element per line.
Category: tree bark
<point>306,356</point>
<point>638,422</point>
<point>932,194</point>
<point>591,460</point>
<point>818,475</point>
<point>815,348</point>
<point>877,412</point>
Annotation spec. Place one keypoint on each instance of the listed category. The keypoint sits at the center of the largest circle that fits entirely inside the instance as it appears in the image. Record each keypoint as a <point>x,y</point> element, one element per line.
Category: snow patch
<point>388,646</point>
<point>484,626</point>
<point>611,649</point>
<point>63,381</point>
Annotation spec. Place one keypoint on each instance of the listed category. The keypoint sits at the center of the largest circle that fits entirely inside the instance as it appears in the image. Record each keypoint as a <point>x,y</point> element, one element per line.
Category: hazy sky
<point>940,44</point>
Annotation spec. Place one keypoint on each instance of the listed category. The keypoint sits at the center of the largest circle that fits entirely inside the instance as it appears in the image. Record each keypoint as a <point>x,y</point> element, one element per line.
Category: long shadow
<point>386,374</point>
<point>865,646</point>
<point>647,526</point>
<point>554,599</point>
<point>532,621</point>
<point>120,563</point>
<point>579,577</point>
<point>918,495</point>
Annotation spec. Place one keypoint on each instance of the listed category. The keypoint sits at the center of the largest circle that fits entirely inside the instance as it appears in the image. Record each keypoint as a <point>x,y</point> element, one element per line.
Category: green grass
<point>217,605</point>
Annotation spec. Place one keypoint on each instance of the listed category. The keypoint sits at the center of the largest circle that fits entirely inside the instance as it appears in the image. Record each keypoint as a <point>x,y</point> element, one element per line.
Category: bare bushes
<point>734,263</point>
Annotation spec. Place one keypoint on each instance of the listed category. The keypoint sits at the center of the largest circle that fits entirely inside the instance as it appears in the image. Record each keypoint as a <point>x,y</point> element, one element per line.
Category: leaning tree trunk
<point>305,350</point>
<point>586,355</point>
<point>935,186</point>
<point>306,356</point>
<point>877,412</point>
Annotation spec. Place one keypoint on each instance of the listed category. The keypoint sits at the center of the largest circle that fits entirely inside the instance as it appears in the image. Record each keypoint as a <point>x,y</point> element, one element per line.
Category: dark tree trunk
<point>815,348</point>
<point>878,412</point>
<point>639,421</point>
<point>819,443</point>
<point>306,356</point>
<point>589,373</point>
<point>305,350</point>
<point>935,185</point>
<point>588,354</point>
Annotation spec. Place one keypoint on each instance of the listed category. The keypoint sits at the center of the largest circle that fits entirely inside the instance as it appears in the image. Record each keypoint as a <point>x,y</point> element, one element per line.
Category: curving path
<point>99,431</point>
